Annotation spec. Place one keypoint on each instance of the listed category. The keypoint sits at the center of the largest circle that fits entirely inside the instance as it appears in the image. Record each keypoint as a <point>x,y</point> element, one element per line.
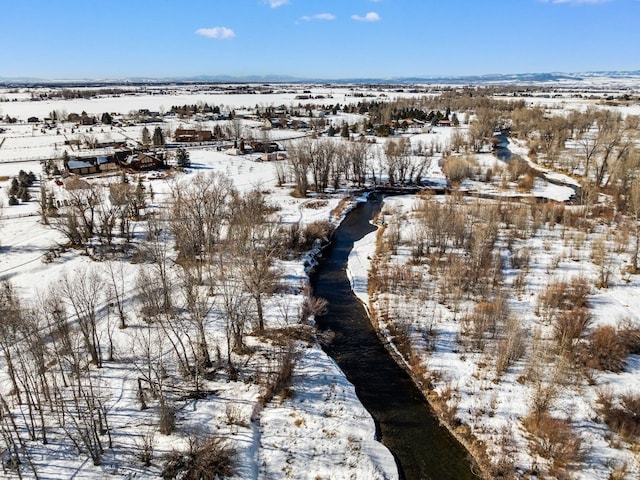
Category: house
<point>82,167</point>
<point>444,123</point>
<point>89,165</point>
<point>33,120</point>
<point>298,125</point>
<point>265,147</point>
<point>144,161</point>
<point>192,135</point>
<point>107,164</point>
<point>270,123</point>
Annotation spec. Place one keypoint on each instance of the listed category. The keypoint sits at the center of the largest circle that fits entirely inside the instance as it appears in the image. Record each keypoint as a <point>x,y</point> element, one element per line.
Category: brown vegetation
<point>205,458</point>
<point>621,413</point>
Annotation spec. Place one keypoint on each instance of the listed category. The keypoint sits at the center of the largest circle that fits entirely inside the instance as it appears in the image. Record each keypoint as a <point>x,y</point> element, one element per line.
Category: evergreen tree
<point>182,158</point>
<point>158,137</point>
<point>106,118</point>
<point>140,200</point>
<point>344,132</point>
<point>454,120</point>
<point>331,131</point>
<point>13,190</point>
<point>146,137</point>
<point>24,195</point>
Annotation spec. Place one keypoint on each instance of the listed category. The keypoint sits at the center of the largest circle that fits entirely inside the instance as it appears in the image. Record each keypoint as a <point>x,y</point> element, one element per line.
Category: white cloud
<point>219,33</point>
<point>276,3</point>
<point>369,17</point>
<point>319,16</point>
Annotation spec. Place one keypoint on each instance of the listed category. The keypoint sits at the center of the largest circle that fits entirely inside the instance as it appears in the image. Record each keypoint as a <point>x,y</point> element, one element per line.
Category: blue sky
<point>315,38</point>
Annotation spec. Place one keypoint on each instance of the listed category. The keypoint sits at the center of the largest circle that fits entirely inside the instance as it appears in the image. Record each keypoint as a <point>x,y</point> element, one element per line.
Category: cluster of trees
<point>19,188</point>
<point>54,390</point>
<point>183,158</point>
<point>319,164</point>
<point>465,246</point>
<point>599,145</point>
<point>189,110</point>
<point>93,211</point>
<point>156,140</point>
<point>70,94</point>
<point>206,269</point>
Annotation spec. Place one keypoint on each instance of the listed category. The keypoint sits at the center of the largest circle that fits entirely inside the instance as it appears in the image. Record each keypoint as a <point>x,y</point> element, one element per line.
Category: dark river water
<point>406,425</point>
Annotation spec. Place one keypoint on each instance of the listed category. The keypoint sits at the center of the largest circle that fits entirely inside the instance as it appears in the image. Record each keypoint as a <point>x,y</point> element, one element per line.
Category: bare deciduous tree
<point>11,313</point>
<point>199,208</point>
<point>82,292</point>
<point>300,158</point>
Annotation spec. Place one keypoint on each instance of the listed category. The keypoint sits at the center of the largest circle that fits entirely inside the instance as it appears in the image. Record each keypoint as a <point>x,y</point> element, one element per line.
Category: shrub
<point>564,296</point>
<point>483,321</point>
<point>630,334</point>
<point>276,381</point>
<point>622,415</point>
<point>145,448</point>
<point>518,168</point>
<point>552,213</point>
<point>321,230</point>
<point>554,439</point>
<point>511,347</point>
<point>606,350</point>
<point>570,326</point>
<point>167,421</point>
<point>458,169</point>
<point>206,459</point>
<point>526,182</point>
<point>520,258</point>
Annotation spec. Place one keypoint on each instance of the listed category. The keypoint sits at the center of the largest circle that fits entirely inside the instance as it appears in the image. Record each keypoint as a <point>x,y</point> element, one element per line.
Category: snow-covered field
<point>318,429</point>
<point>496,404</point>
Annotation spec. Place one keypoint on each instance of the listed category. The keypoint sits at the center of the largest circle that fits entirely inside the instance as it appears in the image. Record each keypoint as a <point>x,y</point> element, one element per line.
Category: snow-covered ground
<point>496,406</point>
<point>319,429</point>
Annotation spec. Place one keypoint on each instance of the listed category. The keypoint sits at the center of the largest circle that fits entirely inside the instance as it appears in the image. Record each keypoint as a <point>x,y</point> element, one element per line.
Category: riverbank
<point>471,326</point>
<point>358,268</point>
<point>406,425</point>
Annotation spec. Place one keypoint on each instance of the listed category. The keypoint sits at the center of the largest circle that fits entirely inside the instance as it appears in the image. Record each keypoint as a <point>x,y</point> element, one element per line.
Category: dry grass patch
<point>606,349</point>
<point>621,414</point>
<point>555,440</point>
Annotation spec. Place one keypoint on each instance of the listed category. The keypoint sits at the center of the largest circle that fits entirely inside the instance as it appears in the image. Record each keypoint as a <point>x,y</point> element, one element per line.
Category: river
<point>406,424</point>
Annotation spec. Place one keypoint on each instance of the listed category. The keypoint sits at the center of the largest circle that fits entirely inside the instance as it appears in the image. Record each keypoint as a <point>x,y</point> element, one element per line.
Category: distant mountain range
<point>517,78</point>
